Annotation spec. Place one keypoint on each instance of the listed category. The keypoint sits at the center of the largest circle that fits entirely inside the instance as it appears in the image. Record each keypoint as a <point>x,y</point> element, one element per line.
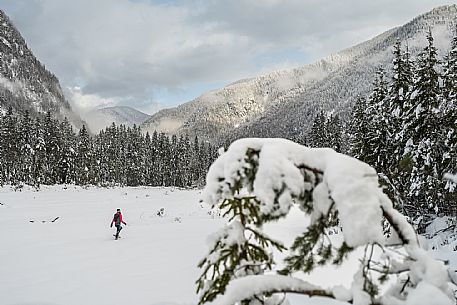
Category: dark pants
<point>118,230</point>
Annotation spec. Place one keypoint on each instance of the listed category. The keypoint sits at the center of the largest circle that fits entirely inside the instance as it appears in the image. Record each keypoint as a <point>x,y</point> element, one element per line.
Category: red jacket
<point>120,219</point>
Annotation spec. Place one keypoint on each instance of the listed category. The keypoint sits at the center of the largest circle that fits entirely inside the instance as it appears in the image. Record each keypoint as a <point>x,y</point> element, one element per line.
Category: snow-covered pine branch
<point>258,180</point>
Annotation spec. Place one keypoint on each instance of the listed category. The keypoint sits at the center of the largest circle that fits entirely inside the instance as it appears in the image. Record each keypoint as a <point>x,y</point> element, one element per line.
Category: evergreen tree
<point>359,127</point>
<point>399,86</point>
<point>376,135</point>
<point>399,90</point>
<point>164,161</point>
<point>39,155</point>
<point>333,132</point>
<point>196,161</point>
<point>66,161</point>
<point>154,157</point>
<point>83,164</point>
<point>98,166</point>
<point>101,170</point>
<point>53,149</point>
<point>449,123</point>
<point>10,148</point>
<point>121,162</point>
<point>186,162</point>
<point>176,154</point>
<point>133,157</point>
<point>204,157</point>
<point>110,153</point>
<point>142,153</point>
<point>26,149</point>
<point>318,134</point>
<point>425,144</point>
<point>147,159</point>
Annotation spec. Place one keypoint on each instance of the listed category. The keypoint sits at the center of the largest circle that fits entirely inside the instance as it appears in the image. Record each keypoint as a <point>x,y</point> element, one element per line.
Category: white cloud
<point>9,85</point>
<point>86,102</point>
<point>123,51</point>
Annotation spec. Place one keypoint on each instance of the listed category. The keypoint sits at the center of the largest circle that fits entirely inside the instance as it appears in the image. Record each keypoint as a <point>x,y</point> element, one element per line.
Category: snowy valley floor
<point>75,259</point>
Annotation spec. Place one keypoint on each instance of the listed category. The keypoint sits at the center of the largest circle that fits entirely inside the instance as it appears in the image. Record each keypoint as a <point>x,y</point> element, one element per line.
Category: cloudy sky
<point>151,54</point>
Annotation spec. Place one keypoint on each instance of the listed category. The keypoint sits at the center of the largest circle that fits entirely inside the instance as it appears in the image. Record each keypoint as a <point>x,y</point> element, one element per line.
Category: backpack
<point>116,219</point>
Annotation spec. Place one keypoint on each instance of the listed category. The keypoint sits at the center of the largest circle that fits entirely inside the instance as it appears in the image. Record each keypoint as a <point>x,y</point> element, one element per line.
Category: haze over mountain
<point>283,103</point>
<point>25,84</point>
<point>98,119</point>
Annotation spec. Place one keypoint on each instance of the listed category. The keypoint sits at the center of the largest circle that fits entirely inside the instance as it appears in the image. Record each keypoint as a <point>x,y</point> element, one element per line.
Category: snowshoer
<point>117,220</point>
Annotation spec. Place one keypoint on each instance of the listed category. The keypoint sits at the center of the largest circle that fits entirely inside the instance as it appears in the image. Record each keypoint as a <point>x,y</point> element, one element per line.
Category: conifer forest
<point>46,151</point>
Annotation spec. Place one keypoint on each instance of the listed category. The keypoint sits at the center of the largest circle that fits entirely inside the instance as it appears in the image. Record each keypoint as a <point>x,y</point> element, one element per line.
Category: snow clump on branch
<point>258,180</point>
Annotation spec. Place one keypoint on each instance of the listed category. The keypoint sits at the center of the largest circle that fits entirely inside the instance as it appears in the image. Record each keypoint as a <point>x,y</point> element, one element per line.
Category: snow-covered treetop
<point>258,180</point>
<point>281,178</point>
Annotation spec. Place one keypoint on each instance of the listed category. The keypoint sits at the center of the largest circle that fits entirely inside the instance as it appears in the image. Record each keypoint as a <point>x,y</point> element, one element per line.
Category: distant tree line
<point>406,129</point>
<point>45,151</point>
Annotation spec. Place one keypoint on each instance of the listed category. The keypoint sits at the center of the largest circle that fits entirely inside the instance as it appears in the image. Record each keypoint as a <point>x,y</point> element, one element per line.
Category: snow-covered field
<point>75,259</point>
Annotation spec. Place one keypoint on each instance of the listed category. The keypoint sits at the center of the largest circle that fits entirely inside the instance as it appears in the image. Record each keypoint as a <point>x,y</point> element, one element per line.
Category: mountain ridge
<point>283,103</point>
<point>25,83</point>
<point>98,119</point>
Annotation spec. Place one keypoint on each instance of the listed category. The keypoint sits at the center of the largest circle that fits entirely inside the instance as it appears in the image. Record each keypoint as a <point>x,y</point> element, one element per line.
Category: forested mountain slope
<point>25,84</point>
<point>284,103</point>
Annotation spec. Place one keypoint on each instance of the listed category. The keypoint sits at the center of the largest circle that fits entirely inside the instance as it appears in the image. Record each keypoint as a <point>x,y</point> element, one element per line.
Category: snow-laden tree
<point>53,148</point>
<point>378,129</point>
<point>397,176</point>
<point>333,132</point>
<point>317,136</point>
<point>400,84</point>
<point>259,180</point>
<point>9,148</point>
<point>39,155</point>
<point>26,149</point>
<point>449,109</point>
<point>425,144</point>
<point>66,162</point>
<point>84,159</point>
<point>359,127</point>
